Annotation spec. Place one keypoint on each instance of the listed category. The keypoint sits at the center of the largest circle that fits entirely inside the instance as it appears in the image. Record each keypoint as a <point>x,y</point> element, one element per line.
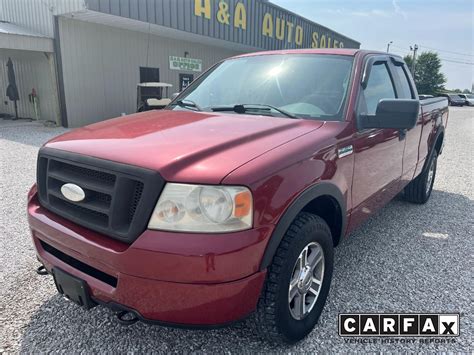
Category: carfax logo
<point>396,325</point>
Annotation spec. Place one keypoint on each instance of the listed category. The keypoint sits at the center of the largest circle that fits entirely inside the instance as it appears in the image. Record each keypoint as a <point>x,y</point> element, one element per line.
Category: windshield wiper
<point>187,104</point>
<point>244,108</point>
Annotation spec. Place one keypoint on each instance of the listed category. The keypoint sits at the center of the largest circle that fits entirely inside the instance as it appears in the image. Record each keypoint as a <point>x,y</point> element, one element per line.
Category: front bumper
<point>180,279</point>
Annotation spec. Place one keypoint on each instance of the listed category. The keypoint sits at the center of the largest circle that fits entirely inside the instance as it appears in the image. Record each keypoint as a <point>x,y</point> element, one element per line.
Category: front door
<point>378,152</point>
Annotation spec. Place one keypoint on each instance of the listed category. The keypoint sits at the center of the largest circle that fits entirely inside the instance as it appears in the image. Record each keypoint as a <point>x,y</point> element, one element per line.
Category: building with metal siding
<point>101,46</point>
<point>101,81</point>
<point>33,70</point>
<point>37,15</point>
<point>33,61</point>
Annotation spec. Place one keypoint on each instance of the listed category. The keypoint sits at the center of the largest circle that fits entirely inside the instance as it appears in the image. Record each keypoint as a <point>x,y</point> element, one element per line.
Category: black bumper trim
<point>116,307</point>
<point>79,265</point>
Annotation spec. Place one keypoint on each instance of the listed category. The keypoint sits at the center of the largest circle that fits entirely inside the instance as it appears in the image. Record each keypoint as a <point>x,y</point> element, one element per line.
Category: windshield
<point>305,86</point>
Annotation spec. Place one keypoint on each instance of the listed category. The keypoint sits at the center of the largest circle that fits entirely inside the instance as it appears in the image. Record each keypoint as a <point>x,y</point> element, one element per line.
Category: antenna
<point>148,44</point>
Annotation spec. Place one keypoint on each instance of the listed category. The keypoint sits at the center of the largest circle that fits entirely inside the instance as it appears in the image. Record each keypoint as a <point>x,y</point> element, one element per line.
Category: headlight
<point>203,208</point>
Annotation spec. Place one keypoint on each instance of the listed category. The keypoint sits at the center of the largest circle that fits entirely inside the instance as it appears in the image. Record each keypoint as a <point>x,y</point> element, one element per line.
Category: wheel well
<point>328,209</point>
<point>439,143</point>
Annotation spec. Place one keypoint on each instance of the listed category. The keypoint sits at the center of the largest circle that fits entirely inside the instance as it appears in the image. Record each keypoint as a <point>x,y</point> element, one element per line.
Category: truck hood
<point>199,147</point>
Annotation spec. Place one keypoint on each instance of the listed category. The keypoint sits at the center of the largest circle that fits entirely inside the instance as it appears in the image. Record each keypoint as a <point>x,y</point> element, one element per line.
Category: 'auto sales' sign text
<point>270,26</point>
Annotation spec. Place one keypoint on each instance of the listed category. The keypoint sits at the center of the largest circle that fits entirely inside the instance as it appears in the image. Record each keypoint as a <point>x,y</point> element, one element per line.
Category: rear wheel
<point>419,190</point>
<point>297,282</point>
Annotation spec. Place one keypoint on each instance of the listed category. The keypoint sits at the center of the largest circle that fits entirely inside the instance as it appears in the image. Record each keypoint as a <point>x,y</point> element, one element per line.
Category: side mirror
<point>393,114</point>
<point>174,96</point>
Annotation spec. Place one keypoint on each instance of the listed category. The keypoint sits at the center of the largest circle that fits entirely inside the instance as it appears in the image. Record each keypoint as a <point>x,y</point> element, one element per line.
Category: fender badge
<point>344,152</point>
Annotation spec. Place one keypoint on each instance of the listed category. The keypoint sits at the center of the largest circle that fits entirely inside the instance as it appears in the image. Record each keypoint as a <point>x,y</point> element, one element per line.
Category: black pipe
<point>41,270</point>
<point>126,317</point>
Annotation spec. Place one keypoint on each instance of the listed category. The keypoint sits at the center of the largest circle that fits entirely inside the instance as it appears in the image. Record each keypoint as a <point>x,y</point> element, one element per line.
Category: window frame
<point>370,61</point>
<point>398,81</point>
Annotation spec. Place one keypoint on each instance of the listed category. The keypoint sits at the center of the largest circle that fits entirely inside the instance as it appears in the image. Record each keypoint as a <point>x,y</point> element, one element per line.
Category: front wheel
<point>297,282</point>
<point>419,190</point>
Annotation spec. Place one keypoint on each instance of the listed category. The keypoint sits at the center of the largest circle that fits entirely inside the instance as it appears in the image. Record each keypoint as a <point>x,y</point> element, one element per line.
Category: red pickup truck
<point>229,202</point>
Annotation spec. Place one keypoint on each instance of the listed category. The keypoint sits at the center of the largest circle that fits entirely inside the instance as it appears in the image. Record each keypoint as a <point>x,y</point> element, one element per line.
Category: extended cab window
<point>405,89</point>
<point>379,86</point>
<point>304,85</point>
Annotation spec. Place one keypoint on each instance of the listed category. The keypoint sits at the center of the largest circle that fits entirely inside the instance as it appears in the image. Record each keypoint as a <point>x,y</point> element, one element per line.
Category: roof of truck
<point>336,51</point>
<point>339,51</point>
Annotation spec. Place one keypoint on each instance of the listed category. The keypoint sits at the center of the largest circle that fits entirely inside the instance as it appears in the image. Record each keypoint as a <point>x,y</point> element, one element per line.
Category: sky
<point>444,25</point>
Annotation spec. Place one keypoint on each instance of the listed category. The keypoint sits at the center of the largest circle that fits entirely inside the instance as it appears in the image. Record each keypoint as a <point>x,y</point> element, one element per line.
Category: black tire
<point>273,320</point>
<point>419,190</point>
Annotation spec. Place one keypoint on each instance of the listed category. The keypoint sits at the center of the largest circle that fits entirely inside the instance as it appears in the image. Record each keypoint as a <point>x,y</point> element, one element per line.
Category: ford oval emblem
<point>73,192</point>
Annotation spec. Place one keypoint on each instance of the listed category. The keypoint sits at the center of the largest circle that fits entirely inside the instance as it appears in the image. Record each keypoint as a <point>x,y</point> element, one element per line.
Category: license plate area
<point>73,288</point>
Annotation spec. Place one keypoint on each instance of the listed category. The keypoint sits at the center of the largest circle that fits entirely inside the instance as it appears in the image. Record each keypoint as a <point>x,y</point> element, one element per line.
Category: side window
<point>405,89</point>
<point>379,86</point>
<point>149,75</point>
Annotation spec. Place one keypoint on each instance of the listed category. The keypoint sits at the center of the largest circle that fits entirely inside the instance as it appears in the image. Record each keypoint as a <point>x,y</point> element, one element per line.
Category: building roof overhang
<point>153,29</point>
<point>253,27</point>
<point>13,36</point>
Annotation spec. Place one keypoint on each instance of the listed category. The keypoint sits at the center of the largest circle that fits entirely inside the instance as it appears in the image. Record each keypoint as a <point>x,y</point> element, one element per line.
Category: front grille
<point>137,194</point>
<point>119,198</point>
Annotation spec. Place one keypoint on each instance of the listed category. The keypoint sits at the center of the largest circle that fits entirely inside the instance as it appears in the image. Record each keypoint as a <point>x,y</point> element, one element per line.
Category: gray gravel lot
<point>408,258</point>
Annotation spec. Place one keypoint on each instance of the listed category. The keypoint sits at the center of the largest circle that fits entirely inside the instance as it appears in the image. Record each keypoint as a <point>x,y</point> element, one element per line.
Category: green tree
<point>409,60</point>
<point>428,77</point>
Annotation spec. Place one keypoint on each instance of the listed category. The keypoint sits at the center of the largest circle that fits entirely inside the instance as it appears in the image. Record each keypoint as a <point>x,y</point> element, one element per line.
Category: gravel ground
<point>407,258</point>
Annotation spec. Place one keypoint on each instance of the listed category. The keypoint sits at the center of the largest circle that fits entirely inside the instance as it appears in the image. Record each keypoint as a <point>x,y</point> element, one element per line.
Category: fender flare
<point>315,191</point>
<point>433,148</point>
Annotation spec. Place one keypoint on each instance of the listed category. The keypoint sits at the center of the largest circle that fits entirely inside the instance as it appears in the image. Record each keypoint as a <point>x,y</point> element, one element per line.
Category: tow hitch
<point>41,270</point>
<point>126,317</point>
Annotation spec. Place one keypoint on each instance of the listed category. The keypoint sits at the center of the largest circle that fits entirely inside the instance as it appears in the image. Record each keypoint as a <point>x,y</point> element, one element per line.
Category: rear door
<point>378,152</point>
<point>406,89</point>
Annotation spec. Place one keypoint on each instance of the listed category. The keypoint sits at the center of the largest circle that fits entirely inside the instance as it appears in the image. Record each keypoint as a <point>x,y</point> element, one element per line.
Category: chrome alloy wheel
<point>429,178</point>
<point>306,281</point>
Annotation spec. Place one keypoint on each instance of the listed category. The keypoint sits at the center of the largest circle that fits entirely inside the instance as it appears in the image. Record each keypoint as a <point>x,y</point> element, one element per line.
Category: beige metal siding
<point>37,15</point>
<point>101,67</point>
<point>29,43</point>
<point>32,70</point>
